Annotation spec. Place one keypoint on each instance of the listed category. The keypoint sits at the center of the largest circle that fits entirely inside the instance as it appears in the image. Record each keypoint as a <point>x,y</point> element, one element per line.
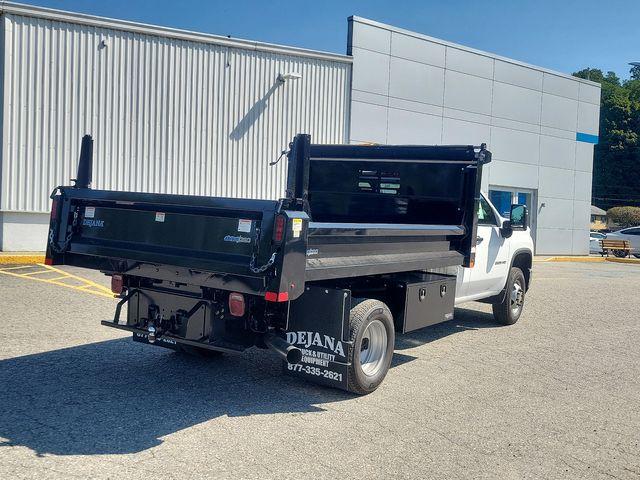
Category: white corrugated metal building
<point>184,112</point>
<point>170,111</point>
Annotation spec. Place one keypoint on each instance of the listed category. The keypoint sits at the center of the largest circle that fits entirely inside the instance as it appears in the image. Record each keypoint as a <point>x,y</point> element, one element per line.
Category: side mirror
<point>519,217</point>
<point>506,230</point>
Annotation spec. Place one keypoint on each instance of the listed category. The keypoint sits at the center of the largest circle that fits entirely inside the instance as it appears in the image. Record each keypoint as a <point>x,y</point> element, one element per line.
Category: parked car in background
<point>632,235</point>
<point>594,242</point>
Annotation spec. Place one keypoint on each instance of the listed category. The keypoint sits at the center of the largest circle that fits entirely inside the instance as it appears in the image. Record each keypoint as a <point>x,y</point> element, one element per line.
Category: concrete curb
<point>572,259</point>
<point>21,258</point>
<point>632,261</point>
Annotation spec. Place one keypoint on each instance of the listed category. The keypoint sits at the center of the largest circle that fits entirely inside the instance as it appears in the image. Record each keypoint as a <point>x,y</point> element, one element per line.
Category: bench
<point>620,248</point>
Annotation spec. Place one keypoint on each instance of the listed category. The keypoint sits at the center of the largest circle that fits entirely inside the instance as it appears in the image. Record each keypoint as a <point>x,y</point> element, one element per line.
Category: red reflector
<point>236,304</point>
<point>276,297</point>
<point>48,261</point>
<point>271,297</point>
<point>116,284</point>
<point>54,207</point>
<point>278,230</point>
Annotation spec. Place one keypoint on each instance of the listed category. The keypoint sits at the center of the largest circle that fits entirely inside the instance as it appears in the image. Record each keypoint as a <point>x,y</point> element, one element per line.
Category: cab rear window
<point>485,213</point>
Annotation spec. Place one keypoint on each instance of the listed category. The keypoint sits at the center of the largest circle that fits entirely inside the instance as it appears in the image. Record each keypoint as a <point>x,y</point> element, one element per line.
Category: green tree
<point>624,216</point>
<point>616,176</point>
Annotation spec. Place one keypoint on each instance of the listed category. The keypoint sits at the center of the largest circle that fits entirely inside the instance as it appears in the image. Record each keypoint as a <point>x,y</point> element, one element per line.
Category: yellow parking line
<point>35,273</point>
<point>84,280</point>
<point>98,289</point>
<point>16,268</point>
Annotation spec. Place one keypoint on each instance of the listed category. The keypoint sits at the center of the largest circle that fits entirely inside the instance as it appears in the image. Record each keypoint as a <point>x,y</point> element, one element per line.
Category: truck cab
<point>501,245</point>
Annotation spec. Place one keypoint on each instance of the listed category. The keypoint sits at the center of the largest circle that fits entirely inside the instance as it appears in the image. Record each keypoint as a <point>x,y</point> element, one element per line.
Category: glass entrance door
<point>503,197</point>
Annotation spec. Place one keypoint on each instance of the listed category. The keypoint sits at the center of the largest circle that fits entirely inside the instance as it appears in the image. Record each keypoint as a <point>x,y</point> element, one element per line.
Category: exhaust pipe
<point>283,348</point>
<point>85,165</point>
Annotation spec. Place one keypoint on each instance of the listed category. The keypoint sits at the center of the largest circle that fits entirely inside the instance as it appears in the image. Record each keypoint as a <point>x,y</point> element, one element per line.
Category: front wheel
<point>620,253</point>
<point>373,336</point>
<point>509,310</point>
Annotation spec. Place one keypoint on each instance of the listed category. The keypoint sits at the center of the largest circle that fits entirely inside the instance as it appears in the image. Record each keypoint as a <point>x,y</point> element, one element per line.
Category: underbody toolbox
<point>421,299</point>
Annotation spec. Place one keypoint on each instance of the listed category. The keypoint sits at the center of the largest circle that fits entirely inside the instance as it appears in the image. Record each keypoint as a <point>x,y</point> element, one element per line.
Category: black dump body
<point>349,211</point>
<point>226,274</point>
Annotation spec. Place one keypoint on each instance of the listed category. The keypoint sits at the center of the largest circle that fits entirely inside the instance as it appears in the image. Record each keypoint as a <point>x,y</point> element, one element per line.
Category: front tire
<point>620,253</point>
<point>509,310</point>
<point>373,336</point>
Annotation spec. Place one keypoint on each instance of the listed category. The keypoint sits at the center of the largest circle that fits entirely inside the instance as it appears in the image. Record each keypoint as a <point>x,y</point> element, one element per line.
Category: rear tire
<point>372,333</point>
<point>620,253</point>
<point>199,352</point>
<point>509,310</point>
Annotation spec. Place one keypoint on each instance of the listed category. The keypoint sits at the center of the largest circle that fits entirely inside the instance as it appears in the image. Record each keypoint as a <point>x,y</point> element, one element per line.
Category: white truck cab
<point>501,273</point>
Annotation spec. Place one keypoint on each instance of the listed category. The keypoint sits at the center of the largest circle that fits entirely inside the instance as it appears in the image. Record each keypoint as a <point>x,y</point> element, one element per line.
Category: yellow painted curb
<point>575,259</point>
<point>18,259</point>
<point>624,260</point>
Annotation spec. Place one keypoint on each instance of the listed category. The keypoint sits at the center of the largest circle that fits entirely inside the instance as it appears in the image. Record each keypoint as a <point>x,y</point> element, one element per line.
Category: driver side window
<point>485,214</point>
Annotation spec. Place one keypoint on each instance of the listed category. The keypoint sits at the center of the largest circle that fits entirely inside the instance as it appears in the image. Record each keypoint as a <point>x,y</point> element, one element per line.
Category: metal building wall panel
<point>167,114</point>
<point>540,125</point>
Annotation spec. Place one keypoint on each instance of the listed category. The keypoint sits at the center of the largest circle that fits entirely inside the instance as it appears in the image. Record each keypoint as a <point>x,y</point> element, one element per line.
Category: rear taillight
<point>276,297</point>
<point>117,284</point>
<point>278,229</point>
<point>236,304</point>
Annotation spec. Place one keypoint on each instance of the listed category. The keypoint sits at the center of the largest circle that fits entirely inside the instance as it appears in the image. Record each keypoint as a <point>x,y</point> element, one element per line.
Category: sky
<point>562,35</point>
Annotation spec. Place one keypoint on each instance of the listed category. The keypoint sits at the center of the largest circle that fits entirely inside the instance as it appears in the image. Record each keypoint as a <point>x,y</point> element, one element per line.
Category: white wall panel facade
<point>169,111</point>
<point>540,125</point>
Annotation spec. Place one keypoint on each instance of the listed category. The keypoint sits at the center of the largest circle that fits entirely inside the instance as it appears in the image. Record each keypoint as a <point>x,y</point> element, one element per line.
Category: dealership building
<point>184,112</point>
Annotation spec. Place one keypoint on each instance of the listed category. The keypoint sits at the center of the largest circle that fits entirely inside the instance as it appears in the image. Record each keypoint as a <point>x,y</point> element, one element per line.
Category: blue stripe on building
<point>586,137</point>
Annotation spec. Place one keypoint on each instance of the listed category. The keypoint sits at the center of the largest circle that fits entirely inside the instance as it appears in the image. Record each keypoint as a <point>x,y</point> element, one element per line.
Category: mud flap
<point>319,325</point>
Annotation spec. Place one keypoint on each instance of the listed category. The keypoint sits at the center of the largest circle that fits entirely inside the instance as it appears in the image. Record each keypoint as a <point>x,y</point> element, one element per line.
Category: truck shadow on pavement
<point>464,319</point>
<point>117,396</point>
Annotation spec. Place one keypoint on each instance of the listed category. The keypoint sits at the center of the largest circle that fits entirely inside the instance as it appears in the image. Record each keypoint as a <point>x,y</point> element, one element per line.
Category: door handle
<point>479,240</point>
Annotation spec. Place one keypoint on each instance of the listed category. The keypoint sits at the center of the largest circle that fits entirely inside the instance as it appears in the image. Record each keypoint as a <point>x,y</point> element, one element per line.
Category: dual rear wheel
<point>372,332</point>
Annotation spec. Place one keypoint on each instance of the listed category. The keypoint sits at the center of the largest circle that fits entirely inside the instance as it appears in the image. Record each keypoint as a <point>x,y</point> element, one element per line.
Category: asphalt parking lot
<point>555,396</point>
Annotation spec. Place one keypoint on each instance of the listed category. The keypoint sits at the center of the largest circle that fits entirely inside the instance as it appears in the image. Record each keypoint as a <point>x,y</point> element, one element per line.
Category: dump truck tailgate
<point>217,234</point>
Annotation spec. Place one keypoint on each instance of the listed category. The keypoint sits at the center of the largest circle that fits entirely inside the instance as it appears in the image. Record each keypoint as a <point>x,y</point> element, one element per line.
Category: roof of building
<point>143,28</point>
<point>469,49</point>
<point>597,211</point>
